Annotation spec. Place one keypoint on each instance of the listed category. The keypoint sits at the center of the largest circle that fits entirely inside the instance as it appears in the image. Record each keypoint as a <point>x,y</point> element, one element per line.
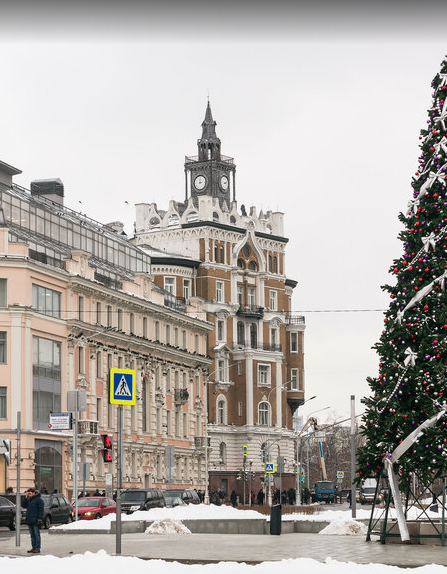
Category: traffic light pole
<point>119,477</point>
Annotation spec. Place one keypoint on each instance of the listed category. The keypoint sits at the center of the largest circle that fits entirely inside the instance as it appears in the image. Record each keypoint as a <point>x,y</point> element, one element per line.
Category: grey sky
<point>320,109</point>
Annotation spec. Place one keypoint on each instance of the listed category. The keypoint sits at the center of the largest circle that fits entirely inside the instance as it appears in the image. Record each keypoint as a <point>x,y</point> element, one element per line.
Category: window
<point>240,295</point>
<point>264,413</point>
<point>81,308</point>
<point>3,355</point>
<point>98,313</point>
<point>120,362</point>
<point>294,377</point>
<point>275,265</point>
<point>132,323</point>
<point>246,250</point>
<point>186,288</point>
<point>81,360</point>
<point>221,410</point>
<point>4,293</point>
<point>253,336</point>
<point>120,320</point>
<point>168,423</point>
<point>109,316</point>
<point>240,264</point>
<point>240,333</point>
<point>144,391</point>
<point>3,403</point>
<point>184,339</point>
<point>220,330</point>
<point>45,301</point>
<point>222,255</point>
<point>273,302</point>
<point>177,423</point>
<point>216,253</point>
<point>170,285</point>
<point>221,369</point>
<point>251,297</point>
<point>270,264</point>
<point>294,342</point>
<point>99,364</point>
<point>239,408</point>
<point>145,327</point>
<point>264,375</point>
<point>196,340</point>
<point>252,266</point>
<point>168,334</point>
<point>157,330</point>
<point>273,338</point>
<point>185,425</point>
<point>109,361</point>
<point>223,453</point>
<point>99,411</point>
<point>46,380</point>
<point>219,291</point>
<point>175,336</point>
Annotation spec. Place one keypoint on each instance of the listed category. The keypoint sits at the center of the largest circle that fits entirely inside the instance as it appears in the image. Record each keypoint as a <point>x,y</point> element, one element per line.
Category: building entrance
<point>48,471</point>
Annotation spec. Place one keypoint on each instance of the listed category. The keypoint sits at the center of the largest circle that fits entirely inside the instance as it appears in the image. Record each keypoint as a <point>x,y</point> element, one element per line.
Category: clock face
<point>200,182</point>
<point>224,183</point>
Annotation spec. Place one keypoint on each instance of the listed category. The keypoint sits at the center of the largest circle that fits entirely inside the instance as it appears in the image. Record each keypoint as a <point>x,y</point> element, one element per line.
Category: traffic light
<point>5,449</point>
<point>302,479</point>
<point>262,477</point>
<point>107,453</point>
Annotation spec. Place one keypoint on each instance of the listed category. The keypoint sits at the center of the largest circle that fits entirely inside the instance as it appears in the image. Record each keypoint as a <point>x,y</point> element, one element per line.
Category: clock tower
<point>210,172</point>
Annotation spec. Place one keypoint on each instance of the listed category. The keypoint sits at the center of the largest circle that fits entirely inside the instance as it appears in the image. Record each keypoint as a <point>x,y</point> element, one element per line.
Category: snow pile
<point>103,562</point>
<point>167,526</point>
<point>328,515</point>
<point>344,527</point>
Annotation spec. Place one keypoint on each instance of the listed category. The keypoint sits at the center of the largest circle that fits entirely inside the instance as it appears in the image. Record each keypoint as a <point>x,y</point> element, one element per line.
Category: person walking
<point>34,514</point>
<point>233,498</point>
<point>260,497</point>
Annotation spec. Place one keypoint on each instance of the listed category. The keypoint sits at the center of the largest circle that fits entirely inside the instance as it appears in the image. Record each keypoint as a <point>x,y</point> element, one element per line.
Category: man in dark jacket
<point>34,514</point>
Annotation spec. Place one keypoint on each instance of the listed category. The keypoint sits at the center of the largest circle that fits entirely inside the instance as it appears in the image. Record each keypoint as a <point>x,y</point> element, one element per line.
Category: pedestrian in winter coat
<point>260,497</point>
<point>233,498</point>
<point>34,514</point>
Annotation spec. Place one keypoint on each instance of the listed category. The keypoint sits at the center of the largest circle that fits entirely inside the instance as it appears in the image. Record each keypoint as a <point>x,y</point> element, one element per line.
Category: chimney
<point>6,173</point>
<point>51,189</point>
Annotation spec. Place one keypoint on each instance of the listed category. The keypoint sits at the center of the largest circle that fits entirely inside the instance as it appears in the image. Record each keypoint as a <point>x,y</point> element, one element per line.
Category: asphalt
<point>208,548</point>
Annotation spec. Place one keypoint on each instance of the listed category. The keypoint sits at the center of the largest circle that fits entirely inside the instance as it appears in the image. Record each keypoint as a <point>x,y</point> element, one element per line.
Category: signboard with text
<point>60,421</point>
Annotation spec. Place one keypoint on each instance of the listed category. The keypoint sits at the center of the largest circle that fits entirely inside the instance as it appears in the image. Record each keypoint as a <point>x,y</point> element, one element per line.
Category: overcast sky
<point>321,108</point>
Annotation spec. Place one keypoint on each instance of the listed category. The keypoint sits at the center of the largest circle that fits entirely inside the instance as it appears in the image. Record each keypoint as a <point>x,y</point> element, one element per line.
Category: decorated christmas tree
<point>412,383</point>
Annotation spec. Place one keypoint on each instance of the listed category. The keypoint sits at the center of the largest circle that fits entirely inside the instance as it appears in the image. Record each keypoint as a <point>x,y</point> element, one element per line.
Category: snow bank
<point>344,527</point>
<point>189,512</point>
<point>102,562</point>
<point>167,526</point>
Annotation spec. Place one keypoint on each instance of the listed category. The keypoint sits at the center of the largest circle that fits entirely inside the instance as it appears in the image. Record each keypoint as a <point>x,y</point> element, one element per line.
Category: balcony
<point>200,441</point>
<point>295,320</point>
<point>181,396</point>
<point>87,427</point>
<point>251,311</point>
<point>255,345</point>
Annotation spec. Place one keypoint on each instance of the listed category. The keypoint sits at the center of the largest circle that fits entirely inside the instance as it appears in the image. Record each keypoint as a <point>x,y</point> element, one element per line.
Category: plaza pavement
<point>205,548</point>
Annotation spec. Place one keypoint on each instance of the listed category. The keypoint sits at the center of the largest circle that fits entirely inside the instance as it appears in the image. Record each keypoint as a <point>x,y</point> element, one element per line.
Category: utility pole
<point>18,496</point>
<point>353,458</point>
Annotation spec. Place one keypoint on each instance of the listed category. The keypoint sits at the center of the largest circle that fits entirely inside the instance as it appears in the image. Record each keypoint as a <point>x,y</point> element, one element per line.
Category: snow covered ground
<point>102,562</point>
<point>212,512</point>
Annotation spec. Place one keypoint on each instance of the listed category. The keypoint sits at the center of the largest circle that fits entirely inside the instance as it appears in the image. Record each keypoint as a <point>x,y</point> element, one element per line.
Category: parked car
<point>93,507</point>
<point>188,495</point>
<point>7,513</point>
<point>57,509</point>
<point>172,500</point>
<point>134,499</point>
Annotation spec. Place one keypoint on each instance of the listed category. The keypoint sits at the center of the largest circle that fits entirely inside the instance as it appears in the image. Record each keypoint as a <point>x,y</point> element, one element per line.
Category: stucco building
<point>233,259</point>
<point>76,298</point>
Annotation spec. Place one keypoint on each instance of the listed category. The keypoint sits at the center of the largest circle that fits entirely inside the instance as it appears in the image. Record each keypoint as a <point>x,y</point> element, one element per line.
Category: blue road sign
<point>269,467</point>
<point>122,387</point>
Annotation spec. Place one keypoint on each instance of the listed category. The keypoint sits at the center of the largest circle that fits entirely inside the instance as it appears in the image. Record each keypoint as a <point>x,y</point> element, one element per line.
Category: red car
<point>92,507</point>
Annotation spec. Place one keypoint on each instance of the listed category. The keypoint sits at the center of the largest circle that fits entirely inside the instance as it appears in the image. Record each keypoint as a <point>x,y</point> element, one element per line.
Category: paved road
<point>203,548</point>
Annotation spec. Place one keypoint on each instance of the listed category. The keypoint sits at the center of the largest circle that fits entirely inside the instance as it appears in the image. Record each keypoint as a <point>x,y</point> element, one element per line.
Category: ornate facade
<point>206,248</point>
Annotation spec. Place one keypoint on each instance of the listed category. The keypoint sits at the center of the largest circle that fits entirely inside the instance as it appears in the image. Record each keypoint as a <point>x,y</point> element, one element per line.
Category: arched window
<point>232,219</point>
<point>264,413</point>
<point>221,410</point>
<point>270,263</point>
<point>154,221</point>
<point>223,453</point>
<point>252,266</point>
<point>240,264</point>
<point>253,336</point>
<point>240,333</point>
<point>275,265</point>
<point>215,216</point>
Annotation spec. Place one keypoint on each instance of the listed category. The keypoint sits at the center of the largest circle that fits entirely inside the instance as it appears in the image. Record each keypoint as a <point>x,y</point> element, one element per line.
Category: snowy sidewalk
<point>204,548</point>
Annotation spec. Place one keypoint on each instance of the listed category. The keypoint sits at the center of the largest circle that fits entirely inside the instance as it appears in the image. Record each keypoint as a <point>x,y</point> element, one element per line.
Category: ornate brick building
<point>206,249</point>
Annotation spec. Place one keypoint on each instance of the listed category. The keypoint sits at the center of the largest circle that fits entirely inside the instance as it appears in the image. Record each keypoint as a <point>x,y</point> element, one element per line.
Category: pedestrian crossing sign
<point>270,467</point>
<point>122,387</point>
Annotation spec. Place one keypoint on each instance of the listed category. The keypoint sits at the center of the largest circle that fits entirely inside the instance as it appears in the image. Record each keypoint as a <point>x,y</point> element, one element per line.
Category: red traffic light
<point>107,455</point>
<point>107,440</point>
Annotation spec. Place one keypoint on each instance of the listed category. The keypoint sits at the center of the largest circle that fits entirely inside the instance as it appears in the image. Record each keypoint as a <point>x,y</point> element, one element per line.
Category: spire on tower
<point>209,143</point>
<point>209,125</point>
